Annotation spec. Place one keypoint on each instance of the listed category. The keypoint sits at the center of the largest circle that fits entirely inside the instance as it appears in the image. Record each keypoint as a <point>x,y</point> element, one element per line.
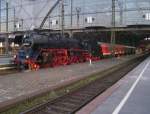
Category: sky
<point>29,13</point>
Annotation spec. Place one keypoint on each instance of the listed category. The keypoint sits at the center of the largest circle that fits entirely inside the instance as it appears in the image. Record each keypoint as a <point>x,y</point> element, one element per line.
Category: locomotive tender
<point>41,50</point>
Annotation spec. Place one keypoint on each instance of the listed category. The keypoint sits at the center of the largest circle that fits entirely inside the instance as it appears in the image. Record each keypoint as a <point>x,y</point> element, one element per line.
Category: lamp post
<point>71,21</point>
<point>14,19</point>
<point>6,39</point>
<point>78,10</point>
<point>0,15</point>
<point>71,13</point>
<point>113,28</point>
<point>62,18</point>
<point>22,24</point>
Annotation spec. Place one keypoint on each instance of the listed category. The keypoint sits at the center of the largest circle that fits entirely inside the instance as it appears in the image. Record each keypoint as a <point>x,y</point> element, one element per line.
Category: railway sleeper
<point>73,101</point>
<point>60,108</point>
<point>51,110</point>
<point>92,92</point>
<point>77,98</point>
<point>87,93</point>
<point>60,104</point>
<point>66,103</point>
<point>82,95</point>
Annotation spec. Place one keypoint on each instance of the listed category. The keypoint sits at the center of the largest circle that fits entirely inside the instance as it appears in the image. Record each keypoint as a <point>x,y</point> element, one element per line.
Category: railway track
<point>72,102</point>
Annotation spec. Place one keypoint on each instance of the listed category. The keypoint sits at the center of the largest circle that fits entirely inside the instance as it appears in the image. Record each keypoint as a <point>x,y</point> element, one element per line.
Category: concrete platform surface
<point>131,95</point>
<point>5,60</point>
<point>15,85</point>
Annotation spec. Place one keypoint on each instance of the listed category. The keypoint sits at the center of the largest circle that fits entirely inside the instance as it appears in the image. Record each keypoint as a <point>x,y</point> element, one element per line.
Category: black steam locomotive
<point>42,50</point>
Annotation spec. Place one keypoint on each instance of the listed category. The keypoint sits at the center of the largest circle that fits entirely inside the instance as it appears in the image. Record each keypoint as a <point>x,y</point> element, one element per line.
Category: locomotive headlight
<point>15,56</point>
<point>27,56</point>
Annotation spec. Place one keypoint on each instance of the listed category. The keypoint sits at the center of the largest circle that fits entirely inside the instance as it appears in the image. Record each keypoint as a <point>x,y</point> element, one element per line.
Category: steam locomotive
<point>41,50</point>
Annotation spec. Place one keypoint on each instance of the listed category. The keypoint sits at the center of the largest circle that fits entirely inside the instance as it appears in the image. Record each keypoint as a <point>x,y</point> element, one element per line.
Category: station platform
<point>24,84</point>
<point>131,95</point>
<point>4,60</point>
